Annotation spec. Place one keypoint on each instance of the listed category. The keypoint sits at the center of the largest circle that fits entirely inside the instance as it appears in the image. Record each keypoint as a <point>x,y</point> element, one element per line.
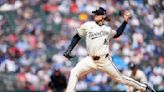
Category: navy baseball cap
<point>100,11</point>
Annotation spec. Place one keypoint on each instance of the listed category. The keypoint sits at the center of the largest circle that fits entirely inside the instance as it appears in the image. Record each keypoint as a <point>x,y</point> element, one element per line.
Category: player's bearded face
<point>98,18</point>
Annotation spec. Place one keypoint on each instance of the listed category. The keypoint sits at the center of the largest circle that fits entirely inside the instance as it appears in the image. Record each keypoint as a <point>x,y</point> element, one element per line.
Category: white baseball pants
<point>104,64</point>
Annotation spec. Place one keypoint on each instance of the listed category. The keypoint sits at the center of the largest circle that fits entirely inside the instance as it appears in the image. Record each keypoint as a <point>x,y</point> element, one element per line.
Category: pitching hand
<point>127,15</point>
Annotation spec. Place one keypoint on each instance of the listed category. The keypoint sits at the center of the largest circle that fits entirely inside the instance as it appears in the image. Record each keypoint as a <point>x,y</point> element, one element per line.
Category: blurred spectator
<point>8,65</point>
<point>2,57</point>
<point>136,74</point>
<point>74,7</point>
<point>58,81</point>
<point>156,80</point>
<point>10,5</point>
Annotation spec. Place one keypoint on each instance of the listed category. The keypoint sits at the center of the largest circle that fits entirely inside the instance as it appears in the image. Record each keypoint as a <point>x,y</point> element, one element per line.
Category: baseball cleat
<point>149,89</point>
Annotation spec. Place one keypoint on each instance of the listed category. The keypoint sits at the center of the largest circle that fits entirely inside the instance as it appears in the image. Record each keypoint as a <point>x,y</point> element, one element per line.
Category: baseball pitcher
<point>97,38</point>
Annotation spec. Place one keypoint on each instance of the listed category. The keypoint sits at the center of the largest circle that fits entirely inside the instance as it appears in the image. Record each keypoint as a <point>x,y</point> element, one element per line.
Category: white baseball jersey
<point>97,37</point>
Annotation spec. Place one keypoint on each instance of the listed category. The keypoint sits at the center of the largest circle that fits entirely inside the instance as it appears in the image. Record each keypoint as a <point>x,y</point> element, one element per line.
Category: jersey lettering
<point>94,35</point>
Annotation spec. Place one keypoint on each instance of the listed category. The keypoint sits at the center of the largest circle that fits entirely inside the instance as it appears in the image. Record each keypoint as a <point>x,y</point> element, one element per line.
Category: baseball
<point>127,13</point>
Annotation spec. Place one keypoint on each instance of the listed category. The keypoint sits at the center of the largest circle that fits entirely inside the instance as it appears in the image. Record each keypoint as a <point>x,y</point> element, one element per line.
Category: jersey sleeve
<point>111,32</point>
<point>82,30</point>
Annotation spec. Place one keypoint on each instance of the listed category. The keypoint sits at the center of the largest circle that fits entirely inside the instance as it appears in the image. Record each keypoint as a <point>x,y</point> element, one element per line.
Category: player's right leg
<point>85,66</point>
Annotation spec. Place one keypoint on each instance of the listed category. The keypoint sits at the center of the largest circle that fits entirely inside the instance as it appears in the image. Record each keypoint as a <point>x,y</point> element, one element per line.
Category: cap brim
<point>97,13</point>
<point>94,12</point>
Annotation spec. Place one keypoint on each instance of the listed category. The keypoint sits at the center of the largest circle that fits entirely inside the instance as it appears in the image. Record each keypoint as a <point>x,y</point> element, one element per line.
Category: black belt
<point>98,57</point>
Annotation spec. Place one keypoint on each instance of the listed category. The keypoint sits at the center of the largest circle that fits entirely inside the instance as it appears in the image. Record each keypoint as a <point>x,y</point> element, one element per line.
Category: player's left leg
<point>83,67</point>
<point>113,72</point>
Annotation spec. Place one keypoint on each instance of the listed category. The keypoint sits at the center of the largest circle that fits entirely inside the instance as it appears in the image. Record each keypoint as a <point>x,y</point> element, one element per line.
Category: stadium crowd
<point>35,33</point>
